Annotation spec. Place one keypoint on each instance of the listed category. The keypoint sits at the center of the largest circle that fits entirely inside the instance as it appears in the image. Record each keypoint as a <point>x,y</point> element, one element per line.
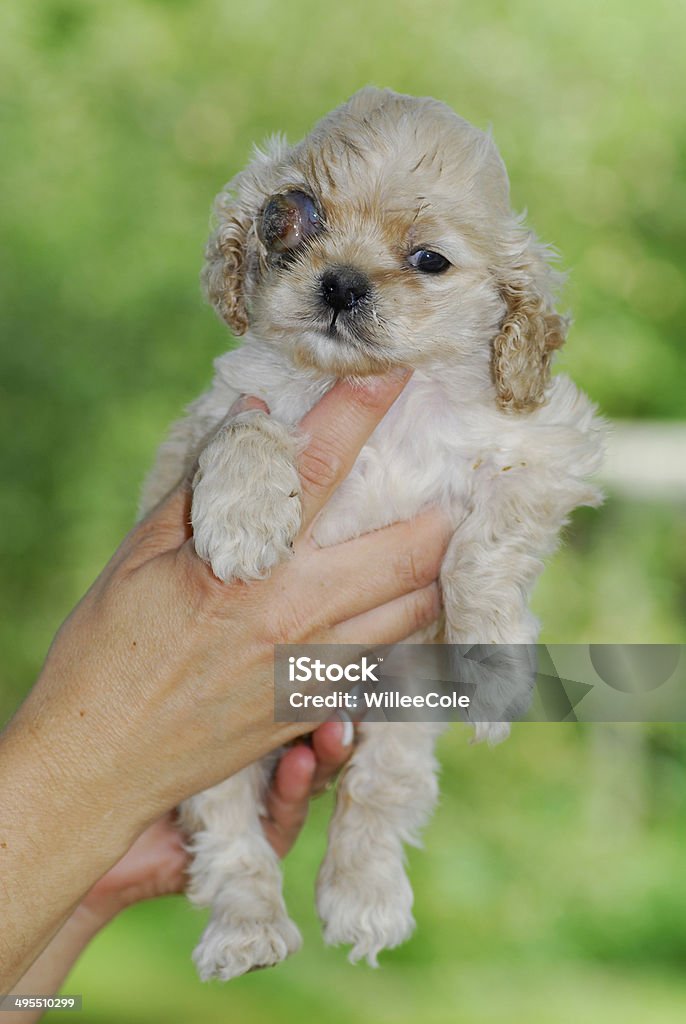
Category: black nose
<point>343,287</point>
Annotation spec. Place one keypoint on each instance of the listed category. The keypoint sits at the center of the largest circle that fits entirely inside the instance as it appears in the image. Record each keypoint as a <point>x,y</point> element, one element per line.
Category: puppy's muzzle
<point>343,288</point>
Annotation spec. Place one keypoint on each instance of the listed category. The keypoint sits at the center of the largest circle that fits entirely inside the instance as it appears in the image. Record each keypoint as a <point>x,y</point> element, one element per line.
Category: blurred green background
<point>552,887</point>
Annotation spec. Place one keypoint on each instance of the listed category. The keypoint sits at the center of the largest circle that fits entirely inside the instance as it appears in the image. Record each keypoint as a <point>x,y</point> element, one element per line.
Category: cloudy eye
<point>287,220</point>
<point>428,262</point>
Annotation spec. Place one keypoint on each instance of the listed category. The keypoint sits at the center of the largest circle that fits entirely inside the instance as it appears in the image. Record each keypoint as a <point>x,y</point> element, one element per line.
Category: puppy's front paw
<point>246,509</point>
<point>229,947</point>
<point>369,913</point>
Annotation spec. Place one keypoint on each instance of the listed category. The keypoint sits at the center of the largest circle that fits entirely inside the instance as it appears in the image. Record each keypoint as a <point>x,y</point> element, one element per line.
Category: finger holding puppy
<point>337,428</point>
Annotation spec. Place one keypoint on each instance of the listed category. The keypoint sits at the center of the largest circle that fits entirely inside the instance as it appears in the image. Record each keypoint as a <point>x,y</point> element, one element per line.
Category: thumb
<point>165,528</point>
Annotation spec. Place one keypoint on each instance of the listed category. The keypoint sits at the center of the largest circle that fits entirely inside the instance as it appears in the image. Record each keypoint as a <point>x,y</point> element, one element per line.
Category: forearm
<point>60,830</point>
<point>47,974</point>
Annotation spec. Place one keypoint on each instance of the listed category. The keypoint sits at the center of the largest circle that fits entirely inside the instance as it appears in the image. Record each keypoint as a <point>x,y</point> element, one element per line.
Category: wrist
<point>88,919</point>
<point>61,801</point>
<point>72,762</point>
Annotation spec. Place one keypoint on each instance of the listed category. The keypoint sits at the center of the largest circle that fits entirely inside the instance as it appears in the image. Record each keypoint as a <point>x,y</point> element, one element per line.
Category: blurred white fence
<point>646,460</point>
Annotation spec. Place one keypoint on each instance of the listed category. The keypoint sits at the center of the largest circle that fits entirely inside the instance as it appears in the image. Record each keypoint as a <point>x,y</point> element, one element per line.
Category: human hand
<point>160,682</point>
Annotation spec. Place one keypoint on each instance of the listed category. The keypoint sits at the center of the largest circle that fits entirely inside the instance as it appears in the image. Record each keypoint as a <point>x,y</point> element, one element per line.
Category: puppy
<point>383,239</point>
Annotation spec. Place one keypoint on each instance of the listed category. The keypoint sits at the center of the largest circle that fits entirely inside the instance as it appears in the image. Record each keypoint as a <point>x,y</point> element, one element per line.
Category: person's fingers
<point>288,798</point>
<point>392,622</point>
<point>303,772</point>
<point>345,580</point>
<point>337,428</point>
<point>292,781</point>
<point>332,743</point>
<point>170,858</point>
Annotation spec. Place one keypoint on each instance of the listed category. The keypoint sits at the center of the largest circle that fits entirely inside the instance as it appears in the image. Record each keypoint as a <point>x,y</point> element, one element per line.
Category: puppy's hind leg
<point>386,795</point>
<point>236,872</point>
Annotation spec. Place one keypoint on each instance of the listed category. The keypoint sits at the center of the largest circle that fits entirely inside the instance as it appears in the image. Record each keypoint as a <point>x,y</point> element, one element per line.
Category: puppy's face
<point>386,238</point>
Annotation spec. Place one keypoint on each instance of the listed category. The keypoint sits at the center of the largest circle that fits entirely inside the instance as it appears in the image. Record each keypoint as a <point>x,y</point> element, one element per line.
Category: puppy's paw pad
<point>228,949</point>
<point>369,921</point>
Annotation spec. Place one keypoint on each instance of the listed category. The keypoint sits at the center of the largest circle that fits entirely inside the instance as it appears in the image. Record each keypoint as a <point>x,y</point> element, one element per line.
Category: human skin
<point>160,682</point>
<point>156,864</point>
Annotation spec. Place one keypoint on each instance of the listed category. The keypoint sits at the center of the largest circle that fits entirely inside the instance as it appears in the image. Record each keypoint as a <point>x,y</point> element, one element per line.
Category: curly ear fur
<point>224,270</point>
<point>530,333</point>
<point>226,256</point>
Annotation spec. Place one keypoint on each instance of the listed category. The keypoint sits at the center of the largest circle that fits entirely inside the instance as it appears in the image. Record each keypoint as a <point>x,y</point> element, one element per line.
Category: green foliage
<point>547,892</point>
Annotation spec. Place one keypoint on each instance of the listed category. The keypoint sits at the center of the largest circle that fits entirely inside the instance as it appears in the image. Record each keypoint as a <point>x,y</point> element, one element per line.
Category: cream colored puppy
<point>385,238</point>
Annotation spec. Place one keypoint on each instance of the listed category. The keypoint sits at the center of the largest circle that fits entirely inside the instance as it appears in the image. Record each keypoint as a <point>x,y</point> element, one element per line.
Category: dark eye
<point>427,261</point>
<point>288,219</point>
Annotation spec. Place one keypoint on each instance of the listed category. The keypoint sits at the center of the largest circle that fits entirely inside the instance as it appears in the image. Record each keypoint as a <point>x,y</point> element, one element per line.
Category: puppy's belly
<point>380,490</point>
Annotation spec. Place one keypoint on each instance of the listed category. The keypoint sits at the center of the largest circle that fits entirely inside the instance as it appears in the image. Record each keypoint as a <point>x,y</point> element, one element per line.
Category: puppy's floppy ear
<point>228,271</point>
<point>224,271</point>
<point>530,332</point>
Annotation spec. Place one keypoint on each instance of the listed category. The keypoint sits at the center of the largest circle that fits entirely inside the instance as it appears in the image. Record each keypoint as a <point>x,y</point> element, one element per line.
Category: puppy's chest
<point>415,458</point>
<point>426,450</point>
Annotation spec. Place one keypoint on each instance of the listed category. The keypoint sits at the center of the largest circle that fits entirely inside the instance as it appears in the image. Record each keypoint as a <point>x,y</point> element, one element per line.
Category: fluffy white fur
<point>481,429</point>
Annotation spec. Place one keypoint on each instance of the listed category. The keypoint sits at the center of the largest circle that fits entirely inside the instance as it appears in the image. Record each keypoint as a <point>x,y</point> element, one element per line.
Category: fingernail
<point>347,732</point>
<point>246,403</point>
<point>238,406</point>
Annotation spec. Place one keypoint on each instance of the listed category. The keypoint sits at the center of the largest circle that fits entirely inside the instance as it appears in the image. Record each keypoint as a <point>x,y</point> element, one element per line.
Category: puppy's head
<point>386,238</point>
